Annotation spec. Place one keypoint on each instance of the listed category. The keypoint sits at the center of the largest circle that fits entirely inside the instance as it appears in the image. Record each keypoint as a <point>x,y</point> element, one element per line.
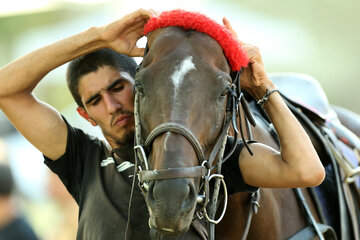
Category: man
<point>12,225</point>
<point>102,82</point>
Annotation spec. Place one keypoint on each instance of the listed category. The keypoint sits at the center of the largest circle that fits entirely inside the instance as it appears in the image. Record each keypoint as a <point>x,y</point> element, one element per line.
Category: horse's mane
<point>233,51</point>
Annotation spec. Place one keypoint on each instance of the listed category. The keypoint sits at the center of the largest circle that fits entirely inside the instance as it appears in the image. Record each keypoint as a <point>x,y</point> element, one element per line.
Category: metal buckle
<point>200,214</point>
<point>225,200</point>
<point>143,155</point>
<point>204,164</point>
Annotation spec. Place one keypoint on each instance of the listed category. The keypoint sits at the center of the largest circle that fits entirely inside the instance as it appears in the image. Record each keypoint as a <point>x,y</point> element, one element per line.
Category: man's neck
<point>125,152</point>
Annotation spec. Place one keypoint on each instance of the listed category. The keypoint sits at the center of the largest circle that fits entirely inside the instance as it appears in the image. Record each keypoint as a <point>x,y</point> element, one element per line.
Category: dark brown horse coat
<point>183,79</point>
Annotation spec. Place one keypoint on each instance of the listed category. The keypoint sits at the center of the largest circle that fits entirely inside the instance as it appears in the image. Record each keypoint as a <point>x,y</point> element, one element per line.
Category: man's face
<point>107,95</point>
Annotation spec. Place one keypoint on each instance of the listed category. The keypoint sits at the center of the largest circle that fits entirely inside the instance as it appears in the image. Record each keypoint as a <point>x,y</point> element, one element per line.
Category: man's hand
<point>253,78</point>
<point>298,164</point>
<point>123,34</point>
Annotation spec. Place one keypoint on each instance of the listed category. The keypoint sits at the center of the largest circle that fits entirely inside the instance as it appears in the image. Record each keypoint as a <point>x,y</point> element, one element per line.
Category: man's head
<point>6,180</point>
<point>91,63</point>
<point>102,85</point>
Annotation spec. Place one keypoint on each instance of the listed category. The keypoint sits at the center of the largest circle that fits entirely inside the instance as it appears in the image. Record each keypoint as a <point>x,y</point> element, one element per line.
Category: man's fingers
<point>136,27</point>
<point>226,22</point>
<point>228,26</point>
<point>252,51</point>
<point>140,15</point>
<point>231,29</point>
<point>145,12</point>
<point>137,52</point>
<point>154,13</point>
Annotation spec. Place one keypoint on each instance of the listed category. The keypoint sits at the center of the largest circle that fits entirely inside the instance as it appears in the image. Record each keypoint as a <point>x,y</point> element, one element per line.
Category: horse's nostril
<point>171,204</point>
<point>190,197</point>
<point>172,194</point>
<point>150,191</point>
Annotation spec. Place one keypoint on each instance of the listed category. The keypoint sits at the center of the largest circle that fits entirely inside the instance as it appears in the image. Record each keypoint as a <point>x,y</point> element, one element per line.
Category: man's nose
<point>112,104</point>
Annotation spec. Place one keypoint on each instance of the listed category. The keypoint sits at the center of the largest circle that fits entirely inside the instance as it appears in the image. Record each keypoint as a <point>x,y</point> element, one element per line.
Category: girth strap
<point>309,217</point>
<point>351,207</point>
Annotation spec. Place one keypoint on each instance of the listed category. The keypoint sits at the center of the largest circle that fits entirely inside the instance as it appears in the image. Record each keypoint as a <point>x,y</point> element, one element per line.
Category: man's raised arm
<point>41,124</point>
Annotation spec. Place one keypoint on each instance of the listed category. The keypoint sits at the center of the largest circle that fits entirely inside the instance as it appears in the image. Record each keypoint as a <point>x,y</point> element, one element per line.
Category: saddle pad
<point>326,193</point>
<point>303,89</point>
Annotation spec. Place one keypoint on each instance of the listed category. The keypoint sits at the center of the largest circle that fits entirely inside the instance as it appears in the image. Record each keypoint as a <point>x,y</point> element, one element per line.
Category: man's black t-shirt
<point>101,186</point>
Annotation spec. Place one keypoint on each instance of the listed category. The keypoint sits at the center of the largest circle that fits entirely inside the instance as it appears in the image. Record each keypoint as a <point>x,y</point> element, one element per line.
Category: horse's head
<point>182,89</point>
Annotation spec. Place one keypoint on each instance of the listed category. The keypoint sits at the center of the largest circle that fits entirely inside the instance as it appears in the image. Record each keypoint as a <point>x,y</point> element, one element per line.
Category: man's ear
<point>86,116</point>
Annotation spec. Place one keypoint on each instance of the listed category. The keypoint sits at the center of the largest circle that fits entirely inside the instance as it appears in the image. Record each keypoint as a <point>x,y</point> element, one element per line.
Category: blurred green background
<point>320,38</point>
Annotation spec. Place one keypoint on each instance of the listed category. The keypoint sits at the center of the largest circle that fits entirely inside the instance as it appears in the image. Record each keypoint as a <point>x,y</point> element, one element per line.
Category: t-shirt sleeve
<point>231,170</point>
<point>71,166</point>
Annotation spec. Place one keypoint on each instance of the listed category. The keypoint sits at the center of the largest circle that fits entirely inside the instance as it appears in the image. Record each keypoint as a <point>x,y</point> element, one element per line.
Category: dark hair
<point>6,180</point>
<point>91,63</point>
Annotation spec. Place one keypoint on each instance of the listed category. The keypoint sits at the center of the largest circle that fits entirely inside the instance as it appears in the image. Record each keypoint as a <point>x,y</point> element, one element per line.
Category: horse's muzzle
<point>171,204</point>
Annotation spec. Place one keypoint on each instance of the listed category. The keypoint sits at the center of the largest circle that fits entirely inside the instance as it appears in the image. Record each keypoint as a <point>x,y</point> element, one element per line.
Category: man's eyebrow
<point>111,86</point>
<point>92,98</point>
<point>116,82</point>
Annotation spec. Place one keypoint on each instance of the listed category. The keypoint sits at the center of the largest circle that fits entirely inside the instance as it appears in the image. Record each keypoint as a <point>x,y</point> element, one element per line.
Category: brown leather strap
<point>352,210</point>
<point>179,129</point>
<point>200,229</point>
<point>190,172</point>
<point>356,194</point>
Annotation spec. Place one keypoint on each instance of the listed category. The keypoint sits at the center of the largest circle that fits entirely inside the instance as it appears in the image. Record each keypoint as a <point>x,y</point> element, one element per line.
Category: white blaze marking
<point>180,71</point>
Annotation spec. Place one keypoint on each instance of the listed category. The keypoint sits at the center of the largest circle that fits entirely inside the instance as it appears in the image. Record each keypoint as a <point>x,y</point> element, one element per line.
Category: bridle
<point>206,166</point>
<point>203,170</point>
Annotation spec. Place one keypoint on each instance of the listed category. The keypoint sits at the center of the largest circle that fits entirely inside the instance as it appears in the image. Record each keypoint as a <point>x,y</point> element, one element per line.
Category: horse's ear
<point>151,36</point>
<point>86,116</point>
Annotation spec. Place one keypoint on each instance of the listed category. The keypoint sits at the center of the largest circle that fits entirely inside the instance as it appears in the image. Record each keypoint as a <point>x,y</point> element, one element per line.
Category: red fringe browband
<point>233,51</point>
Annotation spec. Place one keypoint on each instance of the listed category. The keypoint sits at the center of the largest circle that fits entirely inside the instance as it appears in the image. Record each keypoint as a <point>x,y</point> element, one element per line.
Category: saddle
<point>308,102</point>
<point>306,93</point>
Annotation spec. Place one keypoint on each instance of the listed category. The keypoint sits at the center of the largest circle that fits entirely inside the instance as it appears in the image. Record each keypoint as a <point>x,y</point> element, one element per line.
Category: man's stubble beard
<point>127,138</point>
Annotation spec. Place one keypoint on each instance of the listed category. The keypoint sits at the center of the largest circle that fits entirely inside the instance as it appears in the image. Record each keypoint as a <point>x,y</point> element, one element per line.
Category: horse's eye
<point>138,67</point>
<point>139,88</point>
<point>225,92</point>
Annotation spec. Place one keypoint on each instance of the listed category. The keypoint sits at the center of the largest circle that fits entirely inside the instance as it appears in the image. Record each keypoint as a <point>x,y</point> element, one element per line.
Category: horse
<point>179,121</point>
